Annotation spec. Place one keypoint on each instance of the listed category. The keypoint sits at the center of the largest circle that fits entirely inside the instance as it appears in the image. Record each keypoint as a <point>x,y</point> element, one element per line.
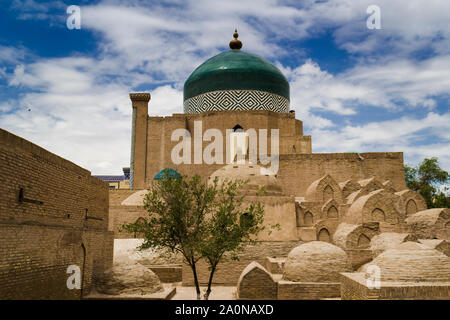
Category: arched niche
<point>324,235</point>
<point>308,219</point>
<point>330,209</point>
<point>378,215</point>
<point>411,207</point>
<point>363,242</point>
<point>324,189</point>
<point>332,212</point>
<point>327,193</point>
<point>238,128</point>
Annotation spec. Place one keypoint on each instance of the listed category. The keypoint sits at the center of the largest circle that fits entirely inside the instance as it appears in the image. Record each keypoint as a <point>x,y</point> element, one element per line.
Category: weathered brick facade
<point>298,167</point>
<point>228,271</point>
<point>120,214</point>
<point>52,214</point>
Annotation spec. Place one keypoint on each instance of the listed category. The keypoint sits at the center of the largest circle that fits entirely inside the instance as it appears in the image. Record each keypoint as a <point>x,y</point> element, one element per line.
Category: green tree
<point>230,226</point>
<point>425,179</point>
<point>198,220</point>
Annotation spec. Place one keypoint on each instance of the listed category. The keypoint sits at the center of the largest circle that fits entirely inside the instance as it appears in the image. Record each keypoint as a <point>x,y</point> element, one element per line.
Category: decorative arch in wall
<point>324,235</point>
<point>238,128</point>
<point>330,209</point>
<point>327,193</point>
<point>308,219</point>
<point>363,242</point>
<point>411,202</point>
<point>332,212</point>
<point>411,207</point>
<point>378,215</point>
<point>324,189</point>
<point>377,206</point>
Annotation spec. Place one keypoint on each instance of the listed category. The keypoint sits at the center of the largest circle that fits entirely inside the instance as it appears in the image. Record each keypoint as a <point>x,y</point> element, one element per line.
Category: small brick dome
<point>258,177</point>
<point>412,262</point>
<point>315,261</point>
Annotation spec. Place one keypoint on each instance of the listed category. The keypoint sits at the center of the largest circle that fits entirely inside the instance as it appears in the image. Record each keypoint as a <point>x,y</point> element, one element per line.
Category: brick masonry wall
<point>228,272</point>
<point>288,290</point>
<point>298,171</point>
<point>353,288</point>
<point>257,284</point>
<point>38,241</point>
<point>167,273</point>
<point>119,214</point>
<point>298,166</point>
<point>159,130</point>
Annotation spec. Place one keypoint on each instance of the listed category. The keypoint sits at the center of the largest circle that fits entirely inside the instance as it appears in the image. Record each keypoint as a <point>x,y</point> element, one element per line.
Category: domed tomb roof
<point>412,262</point>
<point>236,80</point>
<point>258,177</point>
<point>315,261</point>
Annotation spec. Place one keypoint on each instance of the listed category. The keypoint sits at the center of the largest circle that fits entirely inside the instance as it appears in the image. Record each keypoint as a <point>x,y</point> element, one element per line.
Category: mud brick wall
<point>119,214</point>
<point>438,291</point>
<point>288,290</point>
<point>61,220</point>
<point>228,272</point>
<point>353,288</point>
<point>298,171</point>
<point>257,284</point>
<point>153,145</point>
<point>167,273</point>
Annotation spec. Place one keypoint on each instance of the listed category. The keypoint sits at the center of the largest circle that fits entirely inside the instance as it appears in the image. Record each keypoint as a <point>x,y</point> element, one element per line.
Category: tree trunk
<point>211,275</point>
<point>197,285</point>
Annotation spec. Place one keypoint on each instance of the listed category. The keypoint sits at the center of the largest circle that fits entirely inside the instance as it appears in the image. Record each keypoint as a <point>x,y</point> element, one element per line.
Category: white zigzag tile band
<point>236,100</point>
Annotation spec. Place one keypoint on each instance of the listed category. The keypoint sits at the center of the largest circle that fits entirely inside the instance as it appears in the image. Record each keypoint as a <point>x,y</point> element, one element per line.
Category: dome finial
<point>235,44</point>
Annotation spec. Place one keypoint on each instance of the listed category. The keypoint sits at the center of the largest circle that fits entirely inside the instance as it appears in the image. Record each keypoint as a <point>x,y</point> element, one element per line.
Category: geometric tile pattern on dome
<point>236,100</point>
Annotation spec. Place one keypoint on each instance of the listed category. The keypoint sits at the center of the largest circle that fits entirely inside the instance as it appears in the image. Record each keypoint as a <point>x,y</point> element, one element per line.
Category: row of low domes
<point>318,261</point>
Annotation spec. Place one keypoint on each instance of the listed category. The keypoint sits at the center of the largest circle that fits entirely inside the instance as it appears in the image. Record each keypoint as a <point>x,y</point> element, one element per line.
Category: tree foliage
<point>199,220</point>
<point>425,179</point>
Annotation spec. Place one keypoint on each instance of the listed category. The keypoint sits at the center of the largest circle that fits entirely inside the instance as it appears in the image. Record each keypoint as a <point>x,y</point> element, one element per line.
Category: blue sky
<point>355,89</point>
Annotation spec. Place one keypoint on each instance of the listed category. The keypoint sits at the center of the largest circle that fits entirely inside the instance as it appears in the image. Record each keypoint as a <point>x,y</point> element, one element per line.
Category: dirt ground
<point>217,293</point>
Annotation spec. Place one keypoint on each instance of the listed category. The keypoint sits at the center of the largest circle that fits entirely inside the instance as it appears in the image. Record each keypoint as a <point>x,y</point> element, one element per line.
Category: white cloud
<point>80,107</point>
<point>72,115</point>
<point>400,84</point>
<point>165,100</point>
<point>400,134</point>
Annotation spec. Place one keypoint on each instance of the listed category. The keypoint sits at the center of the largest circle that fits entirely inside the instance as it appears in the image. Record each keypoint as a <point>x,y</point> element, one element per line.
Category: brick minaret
<point>139,102</point>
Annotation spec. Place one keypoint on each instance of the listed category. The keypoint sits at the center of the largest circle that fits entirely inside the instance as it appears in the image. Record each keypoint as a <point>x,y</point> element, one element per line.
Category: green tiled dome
<point>236,70</point>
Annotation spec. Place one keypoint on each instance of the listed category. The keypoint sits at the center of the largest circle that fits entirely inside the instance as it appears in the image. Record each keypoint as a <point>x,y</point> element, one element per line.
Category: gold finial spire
<point>235,44</point>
